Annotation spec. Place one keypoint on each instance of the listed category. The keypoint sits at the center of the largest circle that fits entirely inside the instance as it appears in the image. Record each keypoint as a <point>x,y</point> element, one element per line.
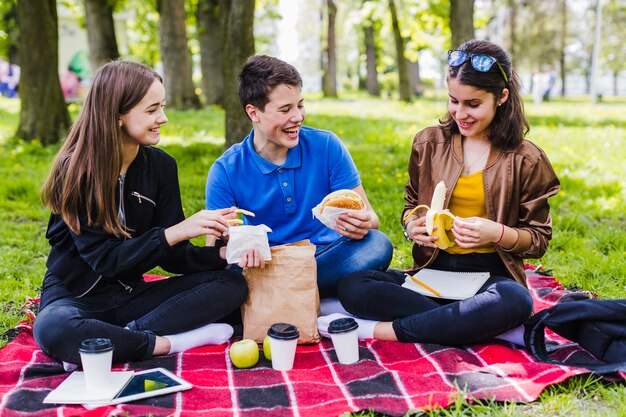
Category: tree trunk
<point>404,82</point>
<point>461,21</point>
<point>373,88</point>
<point>512,26</point>
<point>43,114</point>
<point>330,77</point>
<point>179,89</point>
<point>416,81</point>
<point>238,47</point>
<point>211,16</point>
<point>563,43</point>
<point>100,32</point>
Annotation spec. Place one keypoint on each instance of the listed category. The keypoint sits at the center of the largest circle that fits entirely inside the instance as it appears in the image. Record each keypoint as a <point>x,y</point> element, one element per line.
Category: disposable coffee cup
<point>283,342</point>
<point>96,356</point>
<point>345,339</point>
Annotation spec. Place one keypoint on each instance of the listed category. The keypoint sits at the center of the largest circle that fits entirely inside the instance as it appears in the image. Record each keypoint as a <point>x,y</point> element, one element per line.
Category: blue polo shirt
<point>282,196</point>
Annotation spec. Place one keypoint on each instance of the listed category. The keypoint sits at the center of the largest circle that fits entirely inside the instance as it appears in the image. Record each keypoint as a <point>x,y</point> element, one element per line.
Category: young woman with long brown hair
<point>116,214</point>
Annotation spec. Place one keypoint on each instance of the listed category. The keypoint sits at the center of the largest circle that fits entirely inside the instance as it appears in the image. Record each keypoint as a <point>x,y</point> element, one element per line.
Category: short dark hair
<point>260,75</point>
<point>510,125</point>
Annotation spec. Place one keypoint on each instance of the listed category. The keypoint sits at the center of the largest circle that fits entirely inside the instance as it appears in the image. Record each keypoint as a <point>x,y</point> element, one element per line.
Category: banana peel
<point>438,220</point>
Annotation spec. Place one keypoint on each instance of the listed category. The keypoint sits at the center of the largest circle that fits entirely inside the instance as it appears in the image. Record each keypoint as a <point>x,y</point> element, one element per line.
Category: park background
<point>376,112</point>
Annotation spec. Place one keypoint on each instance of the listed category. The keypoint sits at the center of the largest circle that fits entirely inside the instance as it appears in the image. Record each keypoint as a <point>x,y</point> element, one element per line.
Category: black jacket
<point>151,203</point>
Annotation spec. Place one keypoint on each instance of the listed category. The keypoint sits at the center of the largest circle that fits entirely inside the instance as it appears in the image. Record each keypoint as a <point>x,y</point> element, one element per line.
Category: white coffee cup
<point>283,343</point>
<point>343,333</point>
<point>96,356</point>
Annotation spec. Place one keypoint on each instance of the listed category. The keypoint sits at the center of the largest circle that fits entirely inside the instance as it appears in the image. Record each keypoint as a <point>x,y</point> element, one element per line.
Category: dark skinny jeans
<point>132,319</point>
<point>499,305</point>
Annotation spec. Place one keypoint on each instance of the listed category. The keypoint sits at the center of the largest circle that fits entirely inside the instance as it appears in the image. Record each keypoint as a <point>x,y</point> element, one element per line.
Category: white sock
<point>515,336</point>
<point>365,330</point>
<point>69,367</point>
<point>210,334</point>
<point>330,306</point>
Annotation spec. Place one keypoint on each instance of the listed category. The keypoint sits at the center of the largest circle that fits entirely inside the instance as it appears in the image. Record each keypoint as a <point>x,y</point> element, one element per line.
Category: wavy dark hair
<point>509,125</point>
<point>83,177</point>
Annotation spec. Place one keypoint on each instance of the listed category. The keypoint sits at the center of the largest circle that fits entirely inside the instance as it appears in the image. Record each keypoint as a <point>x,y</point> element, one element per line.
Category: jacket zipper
<point>140,197</point>
<point>90,288</point>
<point>126,287</point>
<point>121,213</point>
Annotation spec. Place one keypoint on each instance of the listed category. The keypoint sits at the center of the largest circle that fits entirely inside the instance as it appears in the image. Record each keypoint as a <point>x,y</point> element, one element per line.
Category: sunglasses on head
<point>480,62</point>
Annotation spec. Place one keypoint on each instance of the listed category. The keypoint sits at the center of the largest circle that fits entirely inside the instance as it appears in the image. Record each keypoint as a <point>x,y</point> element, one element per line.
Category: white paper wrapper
<point>243,238</point>
<point>330,215</point>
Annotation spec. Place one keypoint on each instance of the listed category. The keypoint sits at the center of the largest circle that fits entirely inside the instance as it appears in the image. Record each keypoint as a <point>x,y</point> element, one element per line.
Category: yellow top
<point>468,200</point>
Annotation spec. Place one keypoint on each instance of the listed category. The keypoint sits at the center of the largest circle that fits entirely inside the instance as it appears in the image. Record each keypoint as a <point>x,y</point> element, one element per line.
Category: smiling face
<point>277,127</point>
<point>142,124</point>
<point>472,109</point>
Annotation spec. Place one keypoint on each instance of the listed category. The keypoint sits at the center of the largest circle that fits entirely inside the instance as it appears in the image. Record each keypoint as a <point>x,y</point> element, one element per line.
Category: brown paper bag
<point>285,291</point>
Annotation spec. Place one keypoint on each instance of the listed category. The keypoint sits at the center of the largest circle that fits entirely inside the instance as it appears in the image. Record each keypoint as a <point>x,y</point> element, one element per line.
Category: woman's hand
<point>252,259</point>
<point>416,230</point>
<point>355,224</point>
<point>475,231</point>
<point>210,223</point>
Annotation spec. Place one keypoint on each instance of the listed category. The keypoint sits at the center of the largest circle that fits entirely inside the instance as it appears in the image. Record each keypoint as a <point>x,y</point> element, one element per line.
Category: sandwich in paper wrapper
<point>335,204</point>
<point>242,238</point>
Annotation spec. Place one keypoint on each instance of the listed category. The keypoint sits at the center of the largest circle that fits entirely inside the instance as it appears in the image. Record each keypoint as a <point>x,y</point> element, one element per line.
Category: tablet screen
<point>148,382</point>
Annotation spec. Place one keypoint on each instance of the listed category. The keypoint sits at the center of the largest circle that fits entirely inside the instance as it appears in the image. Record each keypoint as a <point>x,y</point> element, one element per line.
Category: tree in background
<point>329,59</point>
<point>211,26</point>
<point>179,89</point>
<point>404,81</point>
<point>563,44</point>
<point>43,114</point>
<point>238,47</point>
<point>613,45</point>
<point>100,32</point>
<point>143,32</point>
<point>8,24</point>
<point>461,21</point>
<point>371,29</point>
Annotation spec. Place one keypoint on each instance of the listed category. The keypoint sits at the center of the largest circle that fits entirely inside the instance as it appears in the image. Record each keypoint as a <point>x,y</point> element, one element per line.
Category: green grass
<point>586,144</point>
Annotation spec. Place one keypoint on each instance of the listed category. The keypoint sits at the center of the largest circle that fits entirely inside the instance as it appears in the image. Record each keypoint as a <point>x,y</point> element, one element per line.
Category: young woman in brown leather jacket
<point>498,185</point>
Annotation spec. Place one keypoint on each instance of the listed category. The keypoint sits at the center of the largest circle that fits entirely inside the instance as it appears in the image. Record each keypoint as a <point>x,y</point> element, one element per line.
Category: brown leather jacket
<point>517,183</point>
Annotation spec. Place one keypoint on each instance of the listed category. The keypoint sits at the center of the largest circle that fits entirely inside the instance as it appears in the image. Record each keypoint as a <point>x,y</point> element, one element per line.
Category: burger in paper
<point>335,204</point>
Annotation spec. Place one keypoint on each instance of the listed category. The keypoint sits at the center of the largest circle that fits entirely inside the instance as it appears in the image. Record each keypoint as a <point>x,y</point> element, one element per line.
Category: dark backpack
<point>598,326</point>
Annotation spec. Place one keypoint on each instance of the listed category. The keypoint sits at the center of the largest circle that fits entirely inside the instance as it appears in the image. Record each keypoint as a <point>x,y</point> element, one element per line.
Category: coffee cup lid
<point>95,345</point>
<point>342,325</point>
<point>284,331</point>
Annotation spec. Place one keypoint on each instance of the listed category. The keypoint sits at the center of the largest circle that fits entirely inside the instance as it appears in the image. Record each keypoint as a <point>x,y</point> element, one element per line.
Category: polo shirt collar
<point>294,157</point>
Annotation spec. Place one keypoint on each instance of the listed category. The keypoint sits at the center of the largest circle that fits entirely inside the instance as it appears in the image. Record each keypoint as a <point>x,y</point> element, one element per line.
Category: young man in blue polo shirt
<point>283,169</point>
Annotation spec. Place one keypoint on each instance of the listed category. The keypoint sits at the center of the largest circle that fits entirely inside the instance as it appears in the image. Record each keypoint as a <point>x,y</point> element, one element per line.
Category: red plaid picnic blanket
<point>390,378</point>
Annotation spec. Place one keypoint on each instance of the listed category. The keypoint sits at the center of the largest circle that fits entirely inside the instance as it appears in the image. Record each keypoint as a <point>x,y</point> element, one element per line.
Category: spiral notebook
<point>446,284</point>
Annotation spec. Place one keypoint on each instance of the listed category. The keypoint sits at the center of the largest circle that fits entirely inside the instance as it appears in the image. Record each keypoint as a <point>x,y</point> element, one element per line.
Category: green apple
<point>244,353</point>
<point>266,348</point>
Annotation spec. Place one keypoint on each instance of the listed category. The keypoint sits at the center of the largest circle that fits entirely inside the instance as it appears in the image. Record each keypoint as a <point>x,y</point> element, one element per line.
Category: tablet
<point>150,383</point>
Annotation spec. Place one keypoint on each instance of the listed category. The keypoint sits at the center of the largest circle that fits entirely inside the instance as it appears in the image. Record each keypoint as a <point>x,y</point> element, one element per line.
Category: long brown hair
<point>84,174</point>
<point>510,125</point>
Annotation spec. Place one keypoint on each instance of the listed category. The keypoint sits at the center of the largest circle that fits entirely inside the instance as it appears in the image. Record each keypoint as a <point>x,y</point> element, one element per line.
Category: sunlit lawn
<point>586,144</point>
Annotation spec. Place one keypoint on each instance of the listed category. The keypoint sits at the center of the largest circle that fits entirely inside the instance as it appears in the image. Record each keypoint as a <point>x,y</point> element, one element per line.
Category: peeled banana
<point>437,217</point>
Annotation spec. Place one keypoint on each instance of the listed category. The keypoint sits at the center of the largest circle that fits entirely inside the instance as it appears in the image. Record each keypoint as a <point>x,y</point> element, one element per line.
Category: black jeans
<point>132,319</point>
<point>501,303</point>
